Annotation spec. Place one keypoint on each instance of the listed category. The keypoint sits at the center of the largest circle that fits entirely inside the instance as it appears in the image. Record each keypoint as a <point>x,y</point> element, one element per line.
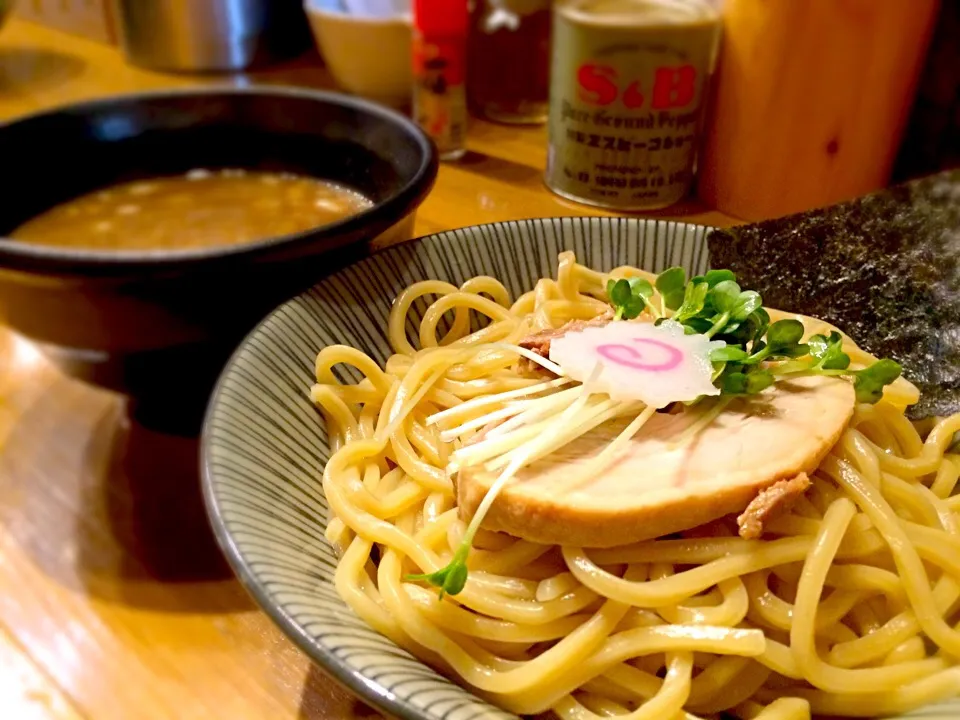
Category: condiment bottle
<point>439,65</point>
<point>508,68</point>
<point>628,83</point>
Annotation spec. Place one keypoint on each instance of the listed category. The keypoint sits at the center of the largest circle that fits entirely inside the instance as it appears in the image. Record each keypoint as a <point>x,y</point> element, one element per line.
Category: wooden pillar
<point>810,101</point>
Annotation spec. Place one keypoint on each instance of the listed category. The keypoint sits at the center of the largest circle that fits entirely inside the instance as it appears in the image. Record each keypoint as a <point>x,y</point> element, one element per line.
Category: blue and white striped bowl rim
<point>264,445</point>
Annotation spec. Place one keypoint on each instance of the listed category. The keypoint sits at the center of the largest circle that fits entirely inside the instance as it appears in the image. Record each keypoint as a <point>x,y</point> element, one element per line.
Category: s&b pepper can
<point>629,80</point>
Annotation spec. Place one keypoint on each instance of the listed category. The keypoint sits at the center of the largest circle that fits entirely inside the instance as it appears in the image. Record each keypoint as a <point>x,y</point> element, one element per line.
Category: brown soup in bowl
<point>202,208</point>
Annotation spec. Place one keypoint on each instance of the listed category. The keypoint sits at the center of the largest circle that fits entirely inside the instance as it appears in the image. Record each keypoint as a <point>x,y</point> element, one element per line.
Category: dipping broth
<point>200,209</point>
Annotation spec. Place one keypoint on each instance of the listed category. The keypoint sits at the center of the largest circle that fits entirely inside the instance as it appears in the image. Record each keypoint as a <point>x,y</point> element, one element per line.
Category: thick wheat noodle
<point>847,606</point>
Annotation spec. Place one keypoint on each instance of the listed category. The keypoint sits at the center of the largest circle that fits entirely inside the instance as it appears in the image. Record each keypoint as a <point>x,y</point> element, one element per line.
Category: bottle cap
<point>441,17</point>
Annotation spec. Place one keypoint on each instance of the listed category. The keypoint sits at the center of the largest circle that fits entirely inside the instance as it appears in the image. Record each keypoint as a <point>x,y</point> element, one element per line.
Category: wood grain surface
<point>810,102</point>
<point>114,601</point>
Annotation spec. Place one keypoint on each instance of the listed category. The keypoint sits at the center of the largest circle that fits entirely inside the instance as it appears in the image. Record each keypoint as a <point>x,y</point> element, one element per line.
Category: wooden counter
<point>114,601</point>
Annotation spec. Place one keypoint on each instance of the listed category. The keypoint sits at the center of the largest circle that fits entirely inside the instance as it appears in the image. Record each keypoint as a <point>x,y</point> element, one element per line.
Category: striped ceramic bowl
<point>265,446</point>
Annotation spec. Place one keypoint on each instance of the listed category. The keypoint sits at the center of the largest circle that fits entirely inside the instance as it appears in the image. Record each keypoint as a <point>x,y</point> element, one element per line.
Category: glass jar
<point>508,68</point>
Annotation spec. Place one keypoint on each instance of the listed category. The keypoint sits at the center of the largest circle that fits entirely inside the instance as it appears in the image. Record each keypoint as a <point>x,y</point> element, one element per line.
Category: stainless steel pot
<point>210,35</point>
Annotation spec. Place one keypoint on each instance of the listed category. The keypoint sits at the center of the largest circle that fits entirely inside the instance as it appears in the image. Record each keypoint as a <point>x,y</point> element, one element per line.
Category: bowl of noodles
<point>563,468</point>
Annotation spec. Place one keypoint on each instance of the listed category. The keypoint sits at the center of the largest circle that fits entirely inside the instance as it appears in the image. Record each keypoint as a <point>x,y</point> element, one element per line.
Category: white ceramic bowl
<point>368,56</point>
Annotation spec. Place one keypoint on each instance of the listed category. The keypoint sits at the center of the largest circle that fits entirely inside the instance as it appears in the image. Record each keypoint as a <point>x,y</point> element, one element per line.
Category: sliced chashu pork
<point>540,342</point>
<point>770,504</point>
<point>657,486</point>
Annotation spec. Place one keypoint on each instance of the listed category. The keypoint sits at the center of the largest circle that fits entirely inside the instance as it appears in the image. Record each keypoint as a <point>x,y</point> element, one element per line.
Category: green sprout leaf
<point>723,296</point>
<point>670,284</point>
<point>456,579</point>
<point>734,383</point>
<point>746,304</point>
<point>870,381</point>
<point>749,383</point>
<point>750,330</point>
<point>730,353</point>
<point>618,291</point>
<point>794,351</point>
<point>633,307</point>
<point>784,334</point>
<point>640,287</point>
<point>451,579</point>
<point>697,325</point>
<point>758,381</point>
<point>818,346</point>
<point>760,320</point>
<point>840,361</point>
<point>694,298</point>
<point>733,308</point>
<point>828,352</point>
<point>715,277</point>
<point>629,297</point>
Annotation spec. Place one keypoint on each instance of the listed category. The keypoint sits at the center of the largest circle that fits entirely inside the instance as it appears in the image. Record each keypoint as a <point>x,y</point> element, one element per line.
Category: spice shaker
<point>439,66</point>
<point>628,83</point>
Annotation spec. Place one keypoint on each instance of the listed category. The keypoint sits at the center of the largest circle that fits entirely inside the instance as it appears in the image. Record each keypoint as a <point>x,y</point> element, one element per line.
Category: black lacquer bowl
<point>159,325</point>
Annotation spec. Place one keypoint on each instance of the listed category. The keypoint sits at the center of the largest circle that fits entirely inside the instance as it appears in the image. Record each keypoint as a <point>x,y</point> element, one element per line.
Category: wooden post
<point>810,101</point>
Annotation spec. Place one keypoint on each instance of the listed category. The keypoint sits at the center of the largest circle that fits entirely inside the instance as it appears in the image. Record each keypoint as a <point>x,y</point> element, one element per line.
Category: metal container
<point>627,90</point>
<point>210,35</point>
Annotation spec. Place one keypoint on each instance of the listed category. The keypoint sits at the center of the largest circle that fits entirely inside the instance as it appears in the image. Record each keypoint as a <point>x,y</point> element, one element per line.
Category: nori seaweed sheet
<point>884,268</point>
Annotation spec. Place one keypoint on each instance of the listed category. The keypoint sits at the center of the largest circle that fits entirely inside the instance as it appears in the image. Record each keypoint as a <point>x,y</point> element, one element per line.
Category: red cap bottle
<point>439,63</point>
